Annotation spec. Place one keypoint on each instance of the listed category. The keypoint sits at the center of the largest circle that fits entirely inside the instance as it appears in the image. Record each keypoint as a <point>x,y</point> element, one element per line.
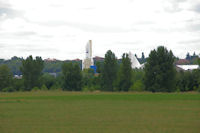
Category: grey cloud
<point>194,27</point>
<point>10,13</point>
<point>25,33</point>
<point>2,45</point>
<point>173,6</point>
<point>6,11</point>
<point>17,34</point>
<point>196,8</point>
<point>29,48</point>
<point>37,49</point>
<point>128,43</point>
<point>193,45</point>
<point>4,3</point>
<point>88,8</point>
<point>196,41</point>
<point>86,27</point>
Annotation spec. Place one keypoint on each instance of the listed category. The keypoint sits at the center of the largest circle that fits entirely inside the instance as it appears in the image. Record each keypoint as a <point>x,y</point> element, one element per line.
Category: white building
<point>188,67</point>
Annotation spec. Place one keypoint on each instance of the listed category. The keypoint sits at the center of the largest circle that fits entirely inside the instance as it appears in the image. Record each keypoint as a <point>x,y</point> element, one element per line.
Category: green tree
<point>32,70</point>
<point>99,65</point>
<point>48,80</point>
<point>5,77</point>
<point>88,75</point>
<point>160,71</point>
<point>18,84</point>
<point>109,72</point>
<point>72,77</point>
<point>125,74</point>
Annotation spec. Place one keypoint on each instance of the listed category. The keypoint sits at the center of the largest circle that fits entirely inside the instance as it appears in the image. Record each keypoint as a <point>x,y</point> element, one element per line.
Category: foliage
<point>124,80</point>
<point>188,81</point>
<point>32,71</point>
<point>35,89</point>
<point>5,77</point>
<point>14,64</point>
<point>109,72</point>
<point>137,86</point>
<point>48,80</point>
<point>88,75</point>
<point>18,84</point>
<point>160,71</point>
<point>99,65</point>
<point>138,74</point>
<point>72,77</point>
<point>44,88</point>
<point>8,89</point>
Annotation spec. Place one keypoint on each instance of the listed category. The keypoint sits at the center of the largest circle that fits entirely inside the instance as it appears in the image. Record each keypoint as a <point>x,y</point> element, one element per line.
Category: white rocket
<point>89,49</point>
<point>88,61</point>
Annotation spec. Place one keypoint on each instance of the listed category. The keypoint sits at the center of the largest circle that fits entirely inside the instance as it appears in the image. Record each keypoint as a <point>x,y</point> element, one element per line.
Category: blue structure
<point>94,68</point>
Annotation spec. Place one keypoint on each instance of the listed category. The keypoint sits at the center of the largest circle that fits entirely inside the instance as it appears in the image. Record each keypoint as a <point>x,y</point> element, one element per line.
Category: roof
<point>50,60</point>
<point>182,62</point>
<point>188,67</point>
<point>98,58</point>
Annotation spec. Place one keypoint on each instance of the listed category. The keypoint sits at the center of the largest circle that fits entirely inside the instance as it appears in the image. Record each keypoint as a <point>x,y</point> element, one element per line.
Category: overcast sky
<point>61,28</point>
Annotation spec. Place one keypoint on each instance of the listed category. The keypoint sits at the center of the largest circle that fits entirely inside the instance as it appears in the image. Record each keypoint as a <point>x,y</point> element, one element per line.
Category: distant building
<point>186,67</point>
<point>53,74</point>
<point>49,60</point>
<point>97,58</point>
<point>17,76</point>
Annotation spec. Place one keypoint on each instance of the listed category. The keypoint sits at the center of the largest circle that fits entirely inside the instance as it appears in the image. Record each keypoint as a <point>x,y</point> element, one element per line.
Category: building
<point>186,67</point>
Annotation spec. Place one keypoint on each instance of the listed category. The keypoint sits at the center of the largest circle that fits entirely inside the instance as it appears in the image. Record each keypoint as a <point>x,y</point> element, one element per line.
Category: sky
<point>61,28</point>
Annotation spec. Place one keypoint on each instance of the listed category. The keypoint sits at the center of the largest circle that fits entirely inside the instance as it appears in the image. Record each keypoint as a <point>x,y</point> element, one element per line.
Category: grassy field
<point>70,112</point>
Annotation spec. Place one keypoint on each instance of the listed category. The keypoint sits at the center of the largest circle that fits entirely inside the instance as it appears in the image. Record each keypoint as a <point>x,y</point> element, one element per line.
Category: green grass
<point>76,112</point>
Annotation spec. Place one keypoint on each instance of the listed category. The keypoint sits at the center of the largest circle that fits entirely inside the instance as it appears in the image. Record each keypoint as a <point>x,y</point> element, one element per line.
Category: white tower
<point>88,61</point>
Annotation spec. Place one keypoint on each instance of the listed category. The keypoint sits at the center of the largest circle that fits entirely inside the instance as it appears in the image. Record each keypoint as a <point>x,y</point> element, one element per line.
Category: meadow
<point>99,112</point>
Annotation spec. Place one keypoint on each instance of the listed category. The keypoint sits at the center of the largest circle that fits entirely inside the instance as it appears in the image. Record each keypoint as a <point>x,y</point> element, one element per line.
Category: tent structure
<point>134,61</point>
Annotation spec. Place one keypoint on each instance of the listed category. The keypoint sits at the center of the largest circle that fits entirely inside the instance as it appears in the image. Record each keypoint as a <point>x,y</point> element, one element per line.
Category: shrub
<point>44,88</point>
<point>35,89</point>
<point>8,89</point>
<point>86,89</point>
<point>137,86</point>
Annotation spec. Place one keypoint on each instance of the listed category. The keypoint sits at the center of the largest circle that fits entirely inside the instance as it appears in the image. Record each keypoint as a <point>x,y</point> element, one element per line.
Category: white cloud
<point>61,28</point>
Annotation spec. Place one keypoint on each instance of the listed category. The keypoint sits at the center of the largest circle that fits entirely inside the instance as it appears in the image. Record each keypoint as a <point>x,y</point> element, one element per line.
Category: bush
<point>18,84</point>
<point>56,86</point>
<point>35,89</point>
<point>86,89</point>
<point>8,89</point>
<point>44,88</point>
<point>137,86</point>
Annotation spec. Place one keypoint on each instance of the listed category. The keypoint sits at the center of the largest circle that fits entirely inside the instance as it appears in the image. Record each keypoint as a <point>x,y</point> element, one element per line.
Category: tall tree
<point>72,77</point>
<point>109,72</point>
<point>160,71</point>
<point>5,77</point>
<point>125,74</point>
<point>32,70</point>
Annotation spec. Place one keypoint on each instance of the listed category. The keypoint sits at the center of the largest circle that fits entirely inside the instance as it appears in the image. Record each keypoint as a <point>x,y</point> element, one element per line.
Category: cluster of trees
<point>159,75</point>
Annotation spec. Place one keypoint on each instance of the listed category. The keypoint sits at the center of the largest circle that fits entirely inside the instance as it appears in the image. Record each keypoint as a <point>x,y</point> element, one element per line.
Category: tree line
<point>159,75</point>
